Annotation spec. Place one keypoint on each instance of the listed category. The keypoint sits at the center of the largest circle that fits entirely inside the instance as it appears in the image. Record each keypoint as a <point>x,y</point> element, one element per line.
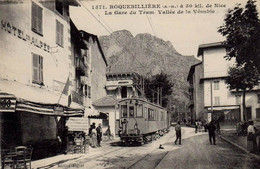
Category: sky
<point>185,28</point>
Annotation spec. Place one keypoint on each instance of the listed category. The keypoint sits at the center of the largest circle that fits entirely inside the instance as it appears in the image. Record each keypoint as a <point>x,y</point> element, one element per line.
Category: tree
<point>242,31</point>
<point>158,85</point>
<point>242,78</point>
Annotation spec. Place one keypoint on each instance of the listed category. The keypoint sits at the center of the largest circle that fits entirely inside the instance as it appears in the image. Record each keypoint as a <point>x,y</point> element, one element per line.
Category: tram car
<point>141,121</point>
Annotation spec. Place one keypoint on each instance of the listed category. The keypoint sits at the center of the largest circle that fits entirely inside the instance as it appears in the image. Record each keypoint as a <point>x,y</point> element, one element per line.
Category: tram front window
<point>124,110</point>
<point>131,111</point>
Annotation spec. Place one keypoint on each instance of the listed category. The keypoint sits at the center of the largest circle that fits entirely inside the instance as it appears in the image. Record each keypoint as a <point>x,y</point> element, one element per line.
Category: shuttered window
<point>217,101</point>
<point>89,92</point>
<point>216,85</point>
<point>36,18</point>
<point>59,33</point>
<point>37,69</point>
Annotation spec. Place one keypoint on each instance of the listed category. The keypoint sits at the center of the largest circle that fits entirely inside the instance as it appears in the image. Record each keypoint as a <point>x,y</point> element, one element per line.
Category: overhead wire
<point>111,33</point>
<point>111,30</point>
<point>102,19</point>
<point>150,23</point>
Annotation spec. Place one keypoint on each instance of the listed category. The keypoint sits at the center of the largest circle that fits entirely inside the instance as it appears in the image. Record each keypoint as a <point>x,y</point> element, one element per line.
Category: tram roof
<point>141,99</point>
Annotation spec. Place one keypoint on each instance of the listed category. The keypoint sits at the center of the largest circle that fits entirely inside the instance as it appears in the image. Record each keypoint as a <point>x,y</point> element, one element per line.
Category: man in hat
<point>178,133</point>
<point>99,134</point>
<point>212,129</point>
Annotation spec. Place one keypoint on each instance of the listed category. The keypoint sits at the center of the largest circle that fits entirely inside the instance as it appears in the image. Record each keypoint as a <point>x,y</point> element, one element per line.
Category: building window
<point>59,6</point>
<point>217,100</point>
<point>37,69</point>
<point>36,18</point>
<point>258,98</point>
<point>59,33</point>
<point>86,90</point>
<point>238,99</point>
<point>216,85</point>
<point>89,92</point>
<point>257,110</point>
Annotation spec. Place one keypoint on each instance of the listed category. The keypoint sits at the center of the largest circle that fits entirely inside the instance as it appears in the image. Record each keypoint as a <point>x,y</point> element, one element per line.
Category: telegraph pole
<point>211,101</point>
<point>161,96</point>
<point>158,95</point>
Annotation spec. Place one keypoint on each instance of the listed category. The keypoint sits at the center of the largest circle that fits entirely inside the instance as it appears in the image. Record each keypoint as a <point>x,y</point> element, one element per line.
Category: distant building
<point>196,92</point>
<point>90,75</point>
<point>36,73</point>
<point>118,86</point>
<point>210,97</point>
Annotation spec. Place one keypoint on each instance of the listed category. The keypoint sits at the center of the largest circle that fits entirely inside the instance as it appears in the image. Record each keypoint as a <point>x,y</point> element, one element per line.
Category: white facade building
<point>36,68</point>
<point>216,99</point>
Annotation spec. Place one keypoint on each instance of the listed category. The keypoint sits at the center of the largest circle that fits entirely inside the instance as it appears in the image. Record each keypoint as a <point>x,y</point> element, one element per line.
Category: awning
<point>77,124</point>
<point>106,101</point>
<point>54,109</point>
<point>100,116</point>
<point>31,93</point>
<point>36,100</point>
<point>231,107</point>
<point>111,87</point>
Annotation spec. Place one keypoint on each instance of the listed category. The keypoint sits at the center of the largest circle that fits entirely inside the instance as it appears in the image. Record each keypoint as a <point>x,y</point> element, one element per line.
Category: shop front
<point>226,116</point>
<point>34,120</point>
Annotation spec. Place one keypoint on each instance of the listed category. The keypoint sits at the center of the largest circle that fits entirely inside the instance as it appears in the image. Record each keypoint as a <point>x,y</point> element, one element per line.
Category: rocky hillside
<point>148,55</point>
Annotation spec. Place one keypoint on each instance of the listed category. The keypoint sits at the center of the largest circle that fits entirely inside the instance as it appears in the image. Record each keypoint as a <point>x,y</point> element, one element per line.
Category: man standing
<point>99,134</point>
<point>178,133</point>
<point>212,129</point>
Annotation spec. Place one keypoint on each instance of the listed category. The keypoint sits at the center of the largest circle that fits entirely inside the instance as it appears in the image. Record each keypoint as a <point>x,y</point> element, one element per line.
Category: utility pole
<point>143,86</point>
<point>161,97</point>
<point>178,110</point>
<point>158,95</point>
<point>211,102</point>
<point>1,138</point>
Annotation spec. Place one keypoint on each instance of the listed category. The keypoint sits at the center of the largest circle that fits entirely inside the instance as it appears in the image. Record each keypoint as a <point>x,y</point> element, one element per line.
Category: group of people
<point>241,128</point>
<point>95,134</point>
<point>214,127</point>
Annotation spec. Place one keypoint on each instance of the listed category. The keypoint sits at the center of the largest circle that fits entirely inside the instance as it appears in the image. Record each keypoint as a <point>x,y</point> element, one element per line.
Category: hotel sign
<point>12,30</point>
<point>58,110</point>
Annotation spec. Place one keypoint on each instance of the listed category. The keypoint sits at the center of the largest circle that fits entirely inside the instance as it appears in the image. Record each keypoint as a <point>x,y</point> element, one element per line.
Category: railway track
<point>151,158</point>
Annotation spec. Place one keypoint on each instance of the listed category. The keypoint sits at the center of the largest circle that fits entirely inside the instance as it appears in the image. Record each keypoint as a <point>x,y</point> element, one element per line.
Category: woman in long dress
<point>94,137</point>
<point>251,137</point>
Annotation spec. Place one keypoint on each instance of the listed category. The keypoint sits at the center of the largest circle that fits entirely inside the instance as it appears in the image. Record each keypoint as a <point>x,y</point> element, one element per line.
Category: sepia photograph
<point>140,84</point>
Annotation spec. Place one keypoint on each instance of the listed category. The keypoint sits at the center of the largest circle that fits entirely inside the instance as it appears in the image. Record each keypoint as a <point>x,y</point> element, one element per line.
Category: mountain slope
<point>148,55</point>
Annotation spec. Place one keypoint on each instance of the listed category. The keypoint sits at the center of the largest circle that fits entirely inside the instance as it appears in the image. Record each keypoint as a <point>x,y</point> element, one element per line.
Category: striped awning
<point>77,124</point>
<point>15,96</point>
<point>47,109</point>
